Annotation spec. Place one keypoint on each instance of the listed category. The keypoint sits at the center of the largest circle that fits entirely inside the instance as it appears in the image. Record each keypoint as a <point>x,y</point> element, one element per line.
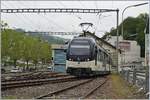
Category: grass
<point>121,88</point>
<point>9,97</point>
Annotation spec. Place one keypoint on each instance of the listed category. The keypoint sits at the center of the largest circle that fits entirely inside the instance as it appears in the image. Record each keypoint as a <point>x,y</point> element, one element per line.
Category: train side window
<point>107,59</point>
<point>104,56</point>
<point>100,55</point>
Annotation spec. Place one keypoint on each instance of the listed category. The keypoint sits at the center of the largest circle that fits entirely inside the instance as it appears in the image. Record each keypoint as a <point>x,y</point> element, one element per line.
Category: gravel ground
<point>79,91</point>
<point>104,92</point>
<point>34,91</point>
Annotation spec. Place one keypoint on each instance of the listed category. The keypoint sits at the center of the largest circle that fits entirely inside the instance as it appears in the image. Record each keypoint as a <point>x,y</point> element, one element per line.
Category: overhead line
<point>22,18</point>
<point>69,13</point>
<point>81,3</point>
<point>61,4</point>
<point>17,16</point>
<point>54,23</point>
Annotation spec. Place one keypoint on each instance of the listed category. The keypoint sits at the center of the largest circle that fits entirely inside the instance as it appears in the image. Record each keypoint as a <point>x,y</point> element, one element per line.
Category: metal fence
<point>140,78</point>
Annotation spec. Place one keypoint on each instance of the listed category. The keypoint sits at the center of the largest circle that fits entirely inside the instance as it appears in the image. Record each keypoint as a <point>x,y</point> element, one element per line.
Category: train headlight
<point>88,59</point>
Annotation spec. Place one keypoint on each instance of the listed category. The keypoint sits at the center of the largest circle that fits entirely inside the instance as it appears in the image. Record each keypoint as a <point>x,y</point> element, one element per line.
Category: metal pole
<point>124,11</point>
<point>122,21</point>
<point>122,24</point>
<point>117,39</point>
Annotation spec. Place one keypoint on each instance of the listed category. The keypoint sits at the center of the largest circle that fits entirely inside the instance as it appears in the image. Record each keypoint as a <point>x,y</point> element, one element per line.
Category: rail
<point>9,85</point>
<point>78,94</point>
<point>64,89</point>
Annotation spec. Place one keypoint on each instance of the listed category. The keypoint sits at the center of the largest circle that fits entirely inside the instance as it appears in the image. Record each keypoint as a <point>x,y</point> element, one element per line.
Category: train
<point>86,58</point>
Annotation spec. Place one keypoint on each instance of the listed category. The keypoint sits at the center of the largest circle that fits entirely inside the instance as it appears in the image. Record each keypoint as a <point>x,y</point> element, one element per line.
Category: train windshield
<point>80,47</point>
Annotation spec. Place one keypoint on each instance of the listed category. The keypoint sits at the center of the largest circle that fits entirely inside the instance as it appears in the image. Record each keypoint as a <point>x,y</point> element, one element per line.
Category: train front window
<point>80,48</point>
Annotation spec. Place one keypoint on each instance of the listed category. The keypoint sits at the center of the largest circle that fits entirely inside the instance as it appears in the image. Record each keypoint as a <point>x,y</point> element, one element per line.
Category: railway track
<point>36,78</point>
<point>94,89</point>
<point>33,75</point>
<point>16,84</point>
<point>55,94</point>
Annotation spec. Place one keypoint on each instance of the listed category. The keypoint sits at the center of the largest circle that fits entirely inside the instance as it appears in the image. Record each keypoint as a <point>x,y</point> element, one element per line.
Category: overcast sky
<point>69,22</point>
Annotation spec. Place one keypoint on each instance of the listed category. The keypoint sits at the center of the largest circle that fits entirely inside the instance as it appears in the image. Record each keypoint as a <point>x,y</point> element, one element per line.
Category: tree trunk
<point>42,63</point>
<point>35,65</point>
<point>27,65</point>
<point>23,68</point>
<point>5,63</point>
<point>15,63</point>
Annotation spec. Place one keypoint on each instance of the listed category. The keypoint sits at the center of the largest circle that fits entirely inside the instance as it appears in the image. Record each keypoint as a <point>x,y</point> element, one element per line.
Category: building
<point>130,49</point>
<point>59,58</point>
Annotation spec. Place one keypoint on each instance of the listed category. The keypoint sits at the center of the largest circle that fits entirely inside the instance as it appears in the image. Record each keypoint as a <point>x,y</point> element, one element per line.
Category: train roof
<point>84,38</point>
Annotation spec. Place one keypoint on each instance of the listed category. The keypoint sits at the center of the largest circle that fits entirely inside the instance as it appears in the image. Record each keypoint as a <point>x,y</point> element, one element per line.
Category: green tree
<point>11,45</point>
<point>45,52</point>
<point>19,46</point>
<point>27,49</point>
<point>16,46</point>
<point>36,51</point>
<point>5,45</point>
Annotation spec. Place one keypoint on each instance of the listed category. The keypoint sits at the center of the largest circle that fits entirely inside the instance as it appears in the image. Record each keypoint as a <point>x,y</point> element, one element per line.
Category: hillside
<point>50,39</point>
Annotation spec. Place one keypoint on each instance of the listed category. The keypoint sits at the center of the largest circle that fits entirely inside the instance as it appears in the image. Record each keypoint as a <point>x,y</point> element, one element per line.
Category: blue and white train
<point>86,58</point>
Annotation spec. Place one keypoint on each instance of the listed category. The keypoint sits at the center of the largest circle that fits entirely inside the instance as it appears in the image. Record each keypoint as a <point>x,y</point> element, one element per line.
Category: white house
<point>131,50</point>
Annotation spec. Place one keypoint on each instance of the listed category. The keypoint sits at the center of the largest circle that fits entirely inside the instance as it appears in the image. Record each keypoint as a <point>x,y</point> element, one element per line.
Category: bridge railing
<point>140,78</point>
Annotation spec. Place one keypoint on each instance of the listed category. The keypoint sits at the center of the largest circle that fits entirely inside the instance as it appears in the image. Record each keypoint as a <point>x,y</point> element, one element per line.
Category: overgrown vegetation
<point>133,30</point>
<point>124,90</point>
<point>19,46</point>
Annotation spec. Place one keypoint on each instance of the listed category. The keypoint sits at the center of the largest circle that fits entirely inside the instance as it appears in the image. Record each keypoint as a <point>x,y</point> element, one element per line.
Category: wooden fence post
<point>121,72</point>
<point>134,77</point>
<point>124,74</point>
<point>147,80</point>
<point>128,74</point>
